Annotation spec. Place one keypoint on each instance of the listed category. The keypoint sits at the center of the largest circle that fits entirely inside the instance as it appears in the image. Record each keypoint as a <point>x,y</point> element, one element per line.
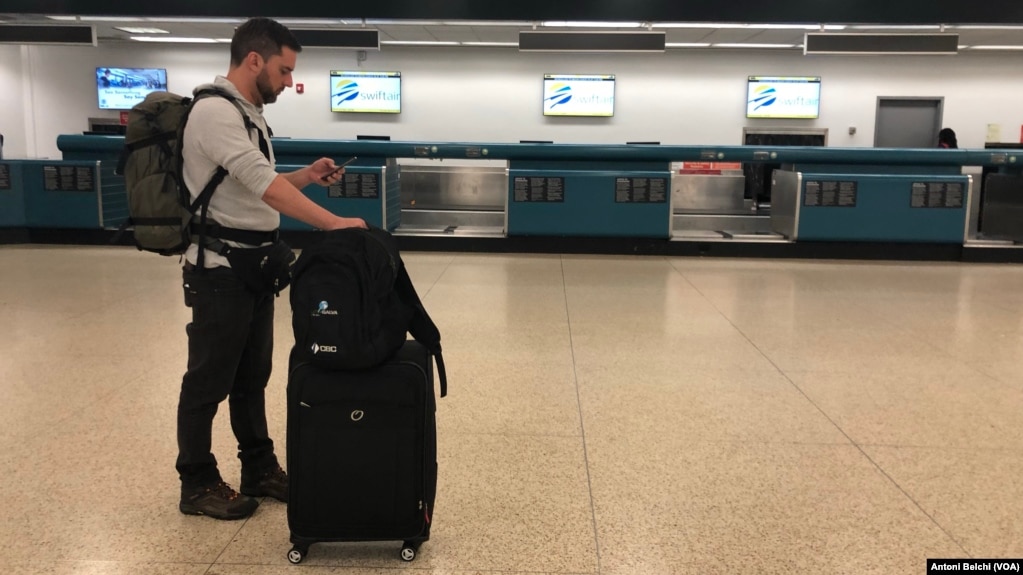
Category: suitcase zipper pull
<point>426,511</point>
<point>303,404</point>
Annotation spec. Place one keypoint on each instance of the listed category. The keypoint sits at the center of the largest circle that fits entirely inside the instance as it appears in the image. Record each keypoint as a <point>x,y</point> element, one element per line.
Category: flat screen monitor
<point>373,92</point>
<point>579,95</point>
<point>796,97</point>
<point>122,88</point>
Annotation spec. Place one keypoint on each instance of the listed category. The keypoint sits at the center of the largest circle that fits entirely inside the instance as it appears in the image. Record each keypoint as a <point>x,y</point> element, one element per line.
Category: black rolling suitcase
<point>362,453</point>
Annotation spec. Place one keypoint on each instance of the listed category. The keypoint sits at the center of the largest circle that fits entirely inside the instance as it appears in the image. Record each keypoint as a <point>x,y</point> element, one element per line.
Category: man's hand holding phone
<point>336,172</point>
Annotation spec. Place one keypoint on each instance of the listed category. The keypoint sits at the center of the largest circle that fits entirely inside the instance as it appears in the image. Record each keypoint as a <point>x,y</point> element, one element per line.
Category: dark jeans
<point>230,348</point>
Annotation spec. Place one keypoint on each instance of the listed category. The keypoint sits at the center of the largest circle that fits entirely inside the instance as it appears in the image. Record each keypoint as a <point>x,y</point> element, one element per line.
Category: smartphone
<point>342,165</point>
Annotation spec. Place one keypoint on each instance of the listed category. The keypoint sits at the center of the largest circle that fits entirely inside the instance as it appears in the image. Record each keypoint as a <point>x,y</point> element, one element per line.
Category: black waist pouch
<point>266,269</point>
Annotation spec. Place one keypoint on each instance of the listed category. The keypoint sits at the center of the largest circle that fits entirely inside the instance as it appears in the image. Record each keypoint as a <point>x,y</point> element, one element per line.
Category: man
<point>230,338</point>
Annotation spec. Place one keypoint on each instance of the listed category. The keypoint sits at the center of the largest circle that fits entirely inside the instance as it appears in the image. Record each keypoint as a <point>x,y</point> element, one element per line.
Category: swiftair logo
<point>345,90</point>
<point>764,96</point>
<point>560,94</point>
<point>349,91</point>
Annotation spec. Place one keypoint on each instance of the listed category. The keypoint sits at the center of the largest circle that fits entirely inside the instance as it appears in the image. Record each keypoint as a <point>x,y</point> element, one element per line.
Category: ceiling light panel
<point>695,25</point>
<point>582,24</point>
<point>308,21</point>
<point>931,28</point>
<point>501,23</point>
<point>174,39</point>
<point>418,43</point>
<point>754,45</point>
<point>196,20</point>
<point>141,30</point>
<point>995,47</point>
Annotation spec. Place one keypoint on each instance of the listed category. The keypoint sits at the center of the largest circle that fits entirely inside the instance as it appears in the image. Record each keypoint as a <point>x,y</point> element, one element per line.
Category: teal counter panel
<point>295,151</point>
<point>589,165</point>
<point>285,153</point>
<point>61,194</point>
<point>12,196</point>
<point>877,169</point>
<point>594,203</point>
<point>113,196</point>
<point>360,195</point>
<point>896,208</point>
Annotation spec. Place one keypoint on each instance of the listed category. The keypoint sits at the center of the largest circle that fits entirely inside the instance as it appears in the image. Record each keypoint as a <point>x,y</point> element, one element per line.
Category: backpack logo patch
<point>322,309</point>
<point>317,348</point>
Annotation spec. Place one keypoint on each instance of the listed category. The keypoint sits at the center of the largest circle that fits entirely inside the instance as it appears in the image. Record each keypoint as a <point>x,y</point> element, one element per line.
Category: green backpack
<point>160,209</point>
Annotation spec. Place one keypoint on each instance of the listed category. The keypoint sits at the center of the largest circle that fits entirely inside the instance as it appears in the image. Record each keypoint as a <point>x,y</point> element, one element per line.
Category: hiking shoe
<point>273,483</point>
<point>218,501</point>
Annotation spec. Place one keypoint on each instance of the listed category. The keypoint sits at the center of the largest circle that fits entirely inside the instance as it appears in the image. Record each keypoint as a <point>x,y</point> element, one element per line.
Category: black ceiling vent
<point>52,34</point>
<point>351,39</point>
<point>838,43</point>
<point>591,41</point>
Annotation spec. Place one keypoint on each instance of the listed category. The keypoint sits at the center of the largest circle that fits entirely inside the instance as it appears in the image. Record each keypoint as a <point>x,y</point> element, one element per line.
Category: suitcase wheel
<point>408,551</point>
<point>297,554</point>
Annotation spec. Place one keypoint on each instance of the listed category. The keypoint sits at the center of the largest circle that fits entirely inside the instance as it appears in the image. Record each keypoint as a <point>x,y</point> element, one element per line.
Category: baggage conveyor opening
<point>708,204</point>
<point>459,200</point>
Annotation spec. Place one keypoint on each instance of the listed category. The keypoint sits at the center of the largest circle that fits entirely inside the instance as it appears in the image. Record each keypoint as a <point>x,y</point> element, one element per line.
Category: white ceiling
<point>108,30</point>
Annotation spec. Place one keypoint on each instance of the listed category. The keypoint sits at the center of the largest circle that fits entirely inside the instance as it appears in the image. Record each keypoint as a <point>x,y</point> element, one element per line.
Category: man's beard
<point>266,91</point>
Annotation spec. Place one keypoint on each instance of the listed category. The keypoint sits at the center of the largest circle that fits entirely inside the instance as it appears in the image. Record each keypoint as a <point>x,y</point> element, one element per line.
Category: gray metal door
<point>907,122</point>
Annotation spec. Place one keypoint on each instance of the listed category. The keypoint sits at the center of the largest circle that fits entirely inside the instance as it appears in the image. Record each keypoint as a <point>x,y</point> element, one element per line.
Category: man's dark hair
<point>263,36</point>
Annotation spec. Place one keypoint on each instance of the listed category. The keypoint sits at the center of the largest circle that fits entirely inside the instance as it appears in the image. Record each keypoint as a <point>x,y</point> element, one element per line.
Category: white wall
<point>12,100</point>
<point>494,94</point>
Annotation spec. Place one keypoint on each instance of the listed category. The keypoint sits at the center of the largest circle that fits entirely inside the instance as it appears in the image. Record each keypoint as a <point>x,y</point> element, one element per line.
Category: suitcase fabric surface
<point>362,453</point>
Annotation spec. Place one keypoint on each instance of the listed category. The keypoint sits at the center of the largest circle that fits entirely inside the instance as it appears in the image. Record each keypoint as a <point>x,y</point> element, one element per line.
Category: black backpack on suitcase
<point>353,303</point>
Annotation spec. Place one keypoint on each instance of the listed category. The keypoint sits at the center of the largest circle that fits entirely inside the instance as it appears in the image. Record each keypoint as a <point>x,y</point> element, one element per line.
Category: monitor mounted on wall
<point>372,92</point>
<point>579,95</point>
<point>790,97</point>
<point>122,88</point>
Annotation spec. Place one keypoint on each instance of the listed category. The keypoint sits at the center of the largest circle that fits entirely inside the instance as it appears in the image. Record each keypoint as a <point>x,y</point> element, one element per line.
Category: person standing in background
<point>947,139</point>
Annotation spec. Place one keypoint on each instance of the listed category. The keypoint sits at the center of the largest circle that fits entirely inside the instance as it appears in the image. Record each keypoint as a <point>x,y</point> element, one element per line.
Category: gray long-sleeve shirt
<point>216,136</point>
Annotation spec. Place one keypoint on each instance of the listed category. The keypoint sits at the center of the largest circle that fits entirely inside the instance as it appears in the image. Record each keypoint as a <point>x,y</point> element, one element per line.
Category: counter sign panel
<point>357,186</point>
<point>641,190</point>
<point>539,189</point>
<point>936,195</point>
<point>68,179</point>
<point>830,194</point>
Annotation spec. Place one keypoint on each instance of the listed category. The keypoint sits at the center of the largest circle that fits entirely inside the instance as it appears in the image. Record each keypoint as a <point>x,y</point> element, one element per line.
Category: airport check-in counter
<point>564,190</point>
<point>51,194</point>
<point>589,198</point>
<point>854,207</point>
<point>12,195</point>
<point>369,189</point>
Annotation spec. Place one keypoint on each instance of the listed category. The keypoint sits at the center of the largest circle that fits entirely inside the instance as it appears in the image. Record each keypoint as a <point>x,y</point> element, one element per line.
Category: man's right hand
<point>341,223</point>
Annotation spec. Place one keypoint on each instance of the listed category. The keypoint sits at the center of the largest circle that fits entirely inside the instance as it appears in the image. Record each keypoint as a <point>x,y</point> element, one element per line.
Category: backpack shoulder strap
<point>264,147</point>
<point>202,202</point>
<point>421,327</point>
